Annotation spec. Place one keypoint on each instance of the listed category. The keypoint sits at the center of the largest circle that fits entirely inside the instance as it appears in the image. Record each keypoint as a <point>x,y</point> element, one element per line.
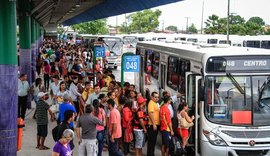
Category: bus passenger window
<point>184,67</point>
<point>155,65</point>
<point>172,76</point>
<point>148,61</point>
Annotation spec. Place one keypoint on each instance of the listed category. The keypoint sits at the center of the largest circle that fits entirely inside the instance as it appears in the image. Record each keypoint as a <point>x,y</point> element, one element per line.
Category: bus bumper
<point>207,149</point>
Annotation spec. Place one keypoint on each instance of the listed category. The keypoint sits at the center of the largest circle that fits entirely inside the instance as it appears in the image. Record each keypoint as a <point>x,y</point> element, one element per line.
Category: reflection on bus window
<point>253,44</point>
<point>184,67</point>
<point>265,44</point>
<point>195,40</point>
<point>231,97</point>
<point>155,64</point>
<point>148,61</point>
<point>212,41</point>
<point>172,77</point>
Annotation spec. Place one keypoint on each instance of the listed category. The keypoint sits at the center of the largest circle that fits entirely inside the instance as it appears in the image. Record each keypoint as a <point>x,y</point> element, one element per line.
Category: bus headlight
<point>214,139</point>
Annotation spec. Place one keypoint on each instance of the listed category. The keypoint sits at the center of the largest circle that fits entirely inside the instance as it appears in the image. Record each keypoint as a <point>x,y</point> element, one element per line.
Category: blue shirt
<point>64,107</point>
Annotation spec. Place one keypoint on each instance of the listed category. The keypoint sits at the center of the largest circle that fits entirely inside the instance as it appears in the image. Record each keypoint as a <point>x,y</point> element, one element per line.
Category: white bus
<point>113,48</point>
<point>227,88</point>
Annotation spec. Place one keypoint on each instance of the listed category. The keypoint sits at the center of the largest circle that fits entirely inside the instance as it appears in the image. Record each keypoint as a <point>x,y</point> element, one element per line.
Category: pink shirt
<point>115,118</point>
<point>100,117</point>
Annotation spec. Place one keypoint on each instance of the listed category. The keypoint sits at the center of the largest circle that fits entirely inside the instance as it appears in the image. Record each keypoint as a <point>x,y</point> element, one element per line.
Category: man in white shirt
<point>94,95</point>
<point>23,90</point>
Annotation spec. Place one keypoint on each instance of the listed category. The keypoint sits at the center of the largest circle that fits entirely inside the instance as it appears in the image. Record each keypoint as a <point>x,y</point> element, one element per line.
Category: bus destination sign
<point>238,64</point>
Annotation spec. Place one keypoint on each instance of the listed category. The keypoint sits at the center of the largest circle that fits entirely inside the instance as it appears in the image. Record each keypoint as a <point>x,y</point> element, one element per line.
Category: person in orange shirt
<point>154,122</point>
<point>115,129</point>
<point>166,126</point>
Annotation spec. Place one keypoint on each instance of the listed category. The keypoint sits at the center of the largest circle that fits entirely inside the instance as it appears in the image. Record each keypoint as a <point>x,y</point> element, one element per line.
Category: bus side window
<point>155,64</point>
<point>148,61</point>
<point>172,75</point>
<point>184,66</point>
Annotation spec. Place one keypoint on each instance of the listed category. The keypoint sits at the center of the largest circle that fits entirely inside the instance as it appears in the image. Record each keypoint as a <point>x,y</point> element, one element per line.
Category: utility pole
<point>187,25</point>
<point>162,25</point>
<point>116,24</point>
<point>202,17</point>
<point>228,21</point>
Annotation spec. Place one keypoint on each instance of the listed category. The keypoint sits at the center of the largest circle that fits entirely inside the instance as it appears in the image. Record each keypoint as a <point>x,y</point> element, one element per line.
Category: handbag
<point>184,123</point>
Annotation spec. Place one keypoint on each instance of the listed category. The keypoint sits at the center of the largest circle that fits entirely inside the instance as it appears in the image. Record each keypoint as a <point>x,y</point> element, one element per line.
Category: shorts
<point>139,138</point>
<point>184,132</point>
<point>166,137</point>
<point>42,130</point>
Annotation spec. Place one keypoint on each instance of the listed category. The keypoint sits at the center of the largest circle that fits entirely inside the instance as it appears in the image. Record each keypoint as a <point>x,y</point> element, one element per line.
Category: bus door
<point>193,85</point>
<point>142,79</point>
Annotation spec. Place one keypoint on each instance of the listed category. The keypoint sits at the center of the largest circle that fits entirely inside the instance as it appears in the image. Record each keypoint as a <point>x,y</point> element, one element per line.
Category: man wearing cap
<point>140,123</point>
<point>42,119</point>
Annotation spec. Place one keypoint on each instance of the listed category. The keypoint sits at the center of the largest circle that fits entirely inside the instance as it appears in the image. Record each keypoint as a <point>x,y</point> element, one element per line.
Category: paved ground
<point>29,134</point>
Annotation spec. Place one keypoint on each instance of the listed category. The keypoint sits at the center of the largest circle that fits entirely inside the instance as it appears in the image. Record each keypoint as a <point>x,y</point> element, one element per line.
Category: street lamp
<point>228,20</point>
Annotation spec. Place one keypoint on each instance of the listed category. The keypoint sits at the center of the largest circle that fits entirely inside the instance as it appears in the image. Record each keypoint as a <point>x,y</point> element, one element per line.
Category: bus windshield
<point>113,45</point>
<point>130,41</point>
<point>238,100</point>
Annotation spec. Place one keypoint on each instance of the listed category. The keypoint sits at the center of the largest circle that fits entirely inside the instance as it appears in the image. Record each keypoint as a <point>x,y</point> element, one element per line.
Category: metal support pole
<point>228,21</point>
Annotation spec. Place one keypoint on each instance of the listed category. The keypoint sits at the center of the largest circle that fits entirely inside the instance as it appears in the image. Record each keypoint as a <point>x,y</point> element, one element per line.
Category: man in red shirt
<point>115,129</point>
<point>166,126</point>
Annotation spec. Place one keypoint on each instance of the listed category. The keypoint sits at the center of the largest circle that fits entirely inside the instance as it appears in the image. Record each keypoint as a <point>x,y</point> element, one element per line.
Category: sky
<point>177,13</point>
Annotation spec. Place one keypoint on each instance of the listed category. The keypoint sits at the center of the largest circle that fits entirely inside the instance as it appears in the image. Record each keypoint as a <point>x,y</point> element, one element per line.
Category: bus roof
<point>197,52</point>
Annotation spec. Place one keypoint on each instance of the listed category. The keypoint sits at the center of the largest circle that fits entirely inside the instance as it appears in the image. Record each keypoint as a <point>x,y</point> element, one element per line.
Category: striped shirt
<point>42,112</point>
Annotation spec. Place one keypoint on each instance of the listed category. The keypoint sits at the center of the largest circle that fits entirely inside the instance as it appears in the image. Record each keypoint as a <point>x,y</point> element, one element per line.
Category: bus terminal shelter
<point>34,17</point>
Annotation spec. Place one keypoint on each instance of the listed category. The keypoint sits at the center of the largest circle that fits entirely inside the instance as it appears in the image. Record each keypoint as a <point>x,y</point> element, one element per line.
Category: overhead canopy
<point>109,8</point>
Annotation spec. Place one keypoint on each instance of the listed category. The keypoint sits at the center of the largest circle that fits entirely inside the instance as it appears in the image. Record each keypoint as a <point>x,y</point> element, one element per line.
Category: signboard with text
<point>132,63</point>
<point>99,51</point>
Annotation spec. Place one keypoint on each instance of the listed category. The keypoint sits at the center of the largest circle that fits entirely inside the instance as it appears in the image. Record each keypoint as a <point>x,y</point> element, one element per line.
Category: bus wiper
<point>235,83</point>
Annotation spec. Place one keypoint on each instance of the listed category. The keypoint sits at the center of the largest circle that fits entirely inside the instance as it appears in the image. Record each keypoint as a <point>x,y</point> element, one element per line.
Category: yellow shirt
<point>85,95</point>
<point>108,79</point>
<point>153,107</point>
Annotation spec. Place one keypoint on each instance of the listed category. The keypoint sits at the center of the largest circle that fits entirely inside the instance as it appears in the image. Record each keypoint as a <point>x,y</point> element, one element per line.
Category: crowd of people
<point>86,100</point>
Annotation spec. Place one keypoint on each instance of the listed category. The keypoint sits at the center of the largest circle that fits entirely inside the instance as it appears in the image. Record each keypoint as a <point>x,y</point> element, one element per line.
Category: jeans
<point>152,139</point>
<point>113,148</point>
<point>100,138</point>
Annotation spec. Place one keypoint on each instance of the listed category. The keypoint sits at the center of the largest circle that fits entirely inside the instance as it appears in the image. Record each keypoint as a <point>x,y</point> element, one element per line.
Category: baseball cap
<point>141,100</point>
<point>41,94</point>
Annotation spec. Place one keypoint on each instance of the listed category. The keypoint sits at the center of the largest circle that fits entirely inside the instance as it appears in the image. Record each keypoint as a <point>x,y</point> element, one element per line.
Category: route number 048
<point>131,65</point>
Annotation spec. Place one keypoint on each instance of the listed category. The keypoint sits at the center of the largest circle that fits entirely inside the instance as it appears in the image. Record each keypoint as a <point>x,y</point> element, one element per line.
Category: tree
<point>192,29</point>
<point>92,27</point>
<point>253,28</point>
<point>144,21</point>
<point>212,25</point>
<point>257,20</point>
<point>60,29</point>
<point>172,28</point>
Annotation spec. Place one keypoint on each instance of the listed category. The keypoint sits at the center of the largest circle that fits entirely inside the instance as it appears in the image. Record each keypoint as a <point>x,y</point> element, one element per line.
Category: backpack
<point>175,146</point>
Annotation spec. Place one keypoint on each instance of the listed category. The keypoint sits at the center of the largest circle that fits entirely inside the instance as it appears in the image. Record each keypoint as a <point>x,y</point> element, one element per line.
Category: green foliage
<point>237,25</point>
<point>144,21</point>
<point>172,28</point>
<point>267,32</point>
<point>60,29</point>
<point>192,29</point>
<point>92,27</point>
<point>257,20</point>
